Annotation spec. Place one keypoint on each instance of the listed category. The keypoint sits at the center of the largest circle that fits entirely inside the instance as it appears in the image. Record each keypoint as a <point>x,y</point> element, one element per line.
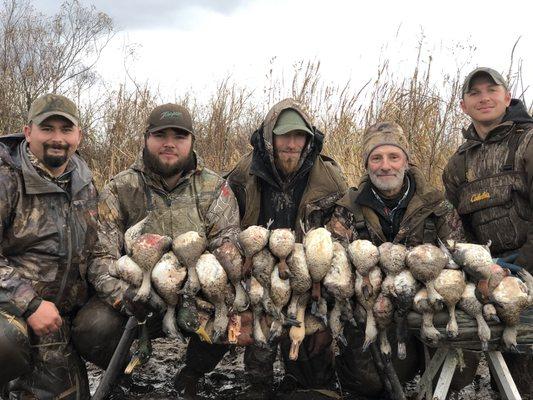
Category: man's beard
<point>153,163</point>
<point>288,166</point>
<point>390,184</point>
<point>55,161</point>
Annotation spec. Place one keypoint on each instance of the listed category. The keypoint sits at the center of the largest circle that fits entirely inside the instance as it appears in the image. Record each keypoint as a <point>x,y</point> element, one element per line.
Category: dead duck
<point>256,294</point>
<point>423,306</point>
<point>281,244</point>
<point>188,247</point>
<point>511,297</point>
<point>168,276</point>
<point>367,303</point>
<point>300,278</point>
<point>146,251</point>
<point>213,282</point>
<point>383,311</point>
<point>473,307</point>
<point>404,289</point>
<point>263,265</point>
<point>364,256</point>
<point>297,333</point>
<point>132,233</point>
<point>318,248</point>
<point>191,319</point>
<point>392,262</point>
<point>231,260</point>
<point>451,284</point>
<point>476,261</point>
<point>252,240</point>
<point>280,293</point>
<point>426,262</point>
<point>339,282</point>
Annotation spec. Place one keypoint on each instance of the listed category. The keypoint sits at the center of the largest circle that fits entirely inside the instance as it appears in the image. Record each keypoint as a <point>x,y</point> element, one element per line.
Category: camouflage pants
<point>46,367</point>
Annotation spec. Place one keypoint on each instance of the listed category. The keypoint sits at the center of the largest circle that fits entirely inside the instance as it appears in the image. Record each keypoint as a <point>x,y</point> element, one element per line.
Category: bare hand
<point>45,319</point>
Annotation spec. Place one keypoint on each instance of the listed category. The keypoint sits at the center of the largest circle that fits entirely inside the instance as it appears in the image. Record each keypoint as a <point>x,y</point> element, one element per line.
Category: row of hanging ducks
<point>279,279</point>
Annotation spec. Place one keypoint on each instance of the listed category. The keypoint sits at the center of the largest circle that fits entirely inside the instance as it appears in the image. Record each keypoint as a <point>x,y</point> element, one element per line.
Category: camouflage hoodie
<point>427,216</point>
<point>490,182</point>
<point>201,201</point>
<point>313,188</point>
<point>45,231</point>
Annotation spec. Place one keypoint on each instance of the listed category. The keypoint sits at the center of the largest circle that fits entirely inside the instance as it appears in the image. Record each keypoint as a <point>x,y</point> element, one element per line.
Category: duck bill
<point>294,350</point>
<point>234,329</point>
<point>204,336</point>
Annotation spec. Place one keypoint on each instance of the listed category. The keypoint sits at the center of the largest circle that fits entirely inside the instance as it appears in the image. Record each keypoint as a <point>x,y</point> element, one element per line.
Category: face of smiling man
<point>386,168</point>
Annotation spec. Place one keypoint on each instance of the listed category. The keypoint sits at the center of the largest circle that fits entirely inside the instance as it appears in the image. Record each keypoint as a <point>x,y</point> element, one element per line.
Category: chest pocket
<point>497,210</point>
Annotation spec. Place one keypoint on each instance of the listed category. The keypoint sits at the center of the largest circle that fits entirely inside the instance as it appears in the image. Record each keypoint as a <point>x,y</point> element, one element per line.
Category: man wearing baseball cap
<point>47,223</point>
<point>394,203</point>
<point>169,188</point>
<point>285,182</point>
<point>489,181</point>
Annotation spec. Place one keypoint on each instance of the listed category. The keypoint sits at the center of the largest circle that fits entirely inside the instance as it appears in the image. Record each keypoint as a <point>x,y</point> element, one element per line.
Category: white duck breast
<point>404,289</point>
<point>263,266</point>
<point>252,240</point>
<point>281,244</point>
<point>231,260</point>
<point>426,263</point>
<point>127,270</point>
<point>256,294</point>
<point>213,282</point>
<point>188,247</point>
<point>300,280</point>
<point>319,254</point>
<point>383,310</point>
<point>167,277</point>
<point>146,251</point>
<point>364,256</point>
<point>473,307</point>
<point>450,284</point>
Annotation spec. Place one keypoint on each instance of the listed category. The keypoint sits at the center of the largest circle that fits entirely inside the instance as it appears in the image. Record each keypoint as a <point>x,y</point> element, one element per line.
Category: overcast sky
<point>182,44</point>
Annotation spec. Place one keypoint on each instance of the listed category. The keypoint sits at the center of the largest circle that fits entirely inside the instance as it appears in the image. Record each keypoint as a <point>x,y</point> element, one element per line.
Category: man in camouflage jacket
<point>285,180</point>
<point>394,202</point>
<point>48,206</point>
<point>490,182</point>
<point>169,182</point>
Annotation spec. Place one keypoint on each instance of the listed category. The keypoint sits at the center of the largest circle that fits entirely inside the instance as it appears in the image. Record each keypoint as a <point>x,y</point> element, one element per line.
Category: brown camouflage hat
<point>51,104</point>
<point>381,134</point>
<point>169,116</point>
<point>493,74</point>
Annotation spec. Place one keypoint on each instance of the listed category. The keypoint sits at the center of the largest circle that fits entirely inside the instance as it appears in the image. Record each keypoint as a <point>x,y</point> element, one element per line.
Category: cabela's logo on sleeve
<point>479,197</point>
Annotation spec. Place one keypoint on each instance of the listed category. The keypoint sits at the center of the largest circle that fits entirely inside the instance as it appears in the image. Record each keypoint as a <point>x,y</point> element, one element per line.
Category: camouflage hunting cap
<point>170,116</point>
<point>290,120</point>
<point>381,134</point>
<point>493,74</point>
<point>51,104</point>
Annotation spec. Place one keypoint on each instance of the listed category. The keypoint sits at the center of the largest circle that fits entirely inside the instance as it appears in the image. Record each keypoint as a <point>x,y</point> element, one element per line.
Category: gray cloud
<point>146,14</point>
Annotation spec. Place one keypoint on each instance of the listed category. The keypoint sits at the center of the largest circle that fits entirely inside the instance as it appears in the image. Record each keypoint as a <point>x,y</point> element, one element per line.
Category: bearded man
<point>394,203</point>
<point>169,183</point>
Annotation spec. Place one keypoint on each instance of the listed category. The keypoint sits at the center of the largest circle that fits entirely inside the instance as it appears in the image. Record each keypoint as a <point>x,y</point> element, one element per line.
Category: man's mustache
<point>56,146</point>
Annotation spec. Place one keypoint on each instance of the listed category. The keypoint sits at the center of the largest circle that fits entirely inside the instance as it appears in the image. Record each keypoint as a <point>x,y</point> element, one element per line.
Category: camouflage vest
<point>173,213</point>
<point>496,202</point>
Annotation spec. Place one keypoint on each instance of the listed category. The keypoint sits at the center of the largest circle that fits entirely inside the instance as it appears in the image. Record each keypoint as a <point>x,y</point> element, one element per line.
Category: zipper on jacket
<point>68,267</point>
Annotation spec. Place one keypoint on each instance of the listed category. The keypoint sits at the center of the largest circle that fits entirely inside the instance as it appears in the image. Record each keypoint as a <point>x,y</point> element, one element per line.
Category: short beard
<point>55,161</point>
<point>396,183</point>
<point>166,171</point>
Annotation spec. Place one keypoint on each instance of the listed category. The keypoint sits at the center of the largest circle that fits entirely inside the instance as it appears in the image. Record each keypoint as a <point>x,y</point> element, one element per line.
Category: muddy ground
<point>154,380</point>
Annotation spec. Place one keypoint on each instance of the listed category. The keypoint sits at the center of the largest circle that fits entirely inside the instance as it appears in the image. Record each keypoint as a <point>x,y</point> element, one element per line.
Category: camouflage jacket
<point>201,201</point>
<point>490,182</point>
<point>45,231</point>
<point>428,216</point>
<point>323,183</point>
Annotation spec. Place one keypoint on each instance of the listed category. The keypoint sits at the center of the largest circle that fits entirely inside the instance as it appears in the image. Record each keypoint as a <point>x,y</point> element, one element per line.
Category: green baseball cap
<point>170,116</point>
<point>51,104</point>
<point>290,120</point>
<point>493,74</point>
